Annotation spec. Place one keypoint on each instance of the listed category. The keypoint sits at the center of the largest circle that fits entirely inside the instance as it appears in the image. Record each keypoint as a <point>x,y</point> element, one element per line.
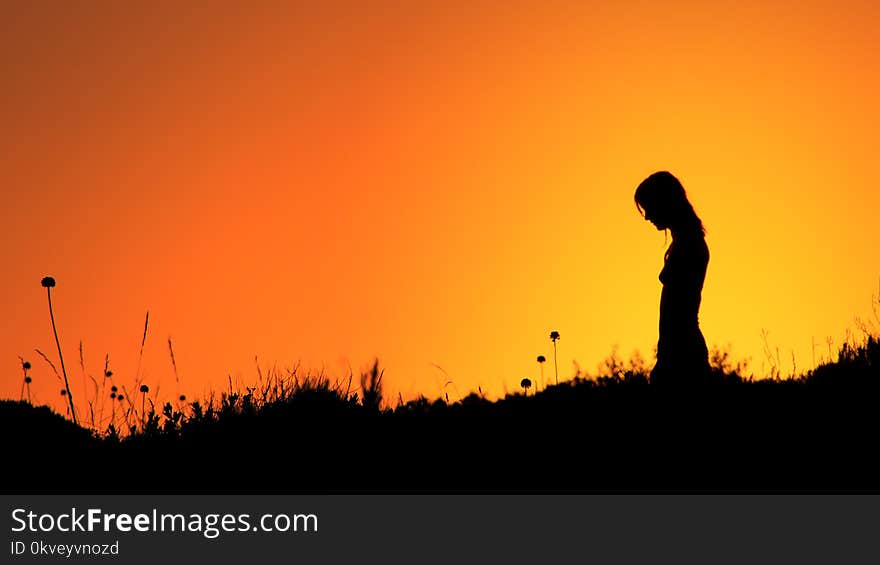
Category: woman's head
<point>661,199</point>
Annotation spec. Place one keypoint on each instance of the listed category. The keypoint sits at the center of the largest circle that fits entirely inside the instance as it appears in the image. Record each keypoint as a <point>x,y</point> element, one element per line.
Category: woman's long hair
<point>663,191</point>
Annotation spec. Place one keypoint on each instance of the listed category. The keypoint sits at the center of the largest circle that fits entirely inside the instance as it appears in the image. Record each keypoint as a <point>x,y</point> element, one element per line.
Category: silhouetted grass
<point>295,431</point>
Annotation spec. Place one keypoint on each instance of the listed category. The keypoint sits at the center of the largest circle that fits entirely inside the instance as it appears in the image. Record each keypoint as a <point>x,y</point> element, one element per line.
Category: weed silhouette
<point>26,381</point>
<point>49,283</point>
<point>541,361</point>
<point>554,337</point>
<point>611,431</point>
<point>615,430</point>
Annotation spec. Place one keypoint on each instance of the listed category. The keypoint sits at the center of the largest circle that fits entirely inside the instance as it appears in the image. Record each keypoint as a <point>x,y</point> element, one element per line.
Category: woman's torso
<point>682,276</point>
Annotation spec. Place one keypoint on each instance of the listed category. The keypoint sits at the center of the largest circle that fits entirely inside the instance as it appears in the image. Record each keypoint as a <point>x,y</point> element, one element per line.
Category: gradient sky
<point>432,183</point>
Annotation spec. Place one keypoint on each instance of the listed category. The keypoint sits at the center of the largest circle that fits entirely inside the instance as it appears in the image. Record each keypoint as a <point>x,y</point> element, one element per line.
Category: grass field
<point>818,431</point>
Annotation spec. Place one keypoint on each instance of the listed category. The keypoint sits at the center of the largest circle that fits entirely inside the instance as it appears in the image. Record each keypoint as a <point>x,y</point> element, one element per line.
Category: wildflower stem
<point>61,356</point>
<point>555,366</point>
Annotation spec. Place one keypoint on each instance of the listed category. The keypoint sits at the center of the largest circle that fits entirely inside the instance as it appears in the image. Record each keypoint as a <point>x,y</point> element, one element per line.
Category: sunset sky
<point>433,183</point>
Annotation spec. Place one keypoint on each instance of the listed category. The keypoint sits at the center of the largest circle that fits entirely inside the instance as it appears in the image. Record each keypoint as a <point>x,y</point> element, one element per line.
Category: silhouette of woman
<point>682,356</point>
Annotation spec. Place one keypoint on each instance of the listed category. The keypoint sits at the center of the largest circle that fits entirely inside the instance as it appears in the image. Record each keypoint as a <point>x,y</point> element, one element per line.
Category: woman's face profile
<point>657,216</point>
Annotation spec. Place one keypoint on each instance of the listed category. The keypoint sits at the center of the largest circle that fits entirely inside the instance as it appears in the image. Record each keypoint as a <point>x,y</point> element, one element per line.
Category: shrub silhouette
<point>371,387</point>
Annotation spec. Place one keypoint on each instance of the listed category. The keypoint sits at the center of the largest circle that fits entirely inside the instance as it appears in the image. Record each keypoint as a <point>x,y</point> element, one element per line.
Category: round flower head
<point>541,359</point>
<point>48,282</point>
<point>145,388</point>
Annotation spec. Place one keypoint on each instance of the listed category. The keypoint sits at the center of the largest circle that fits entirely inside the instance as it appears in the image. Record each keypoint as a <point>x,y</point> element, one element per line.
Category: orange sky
<point>425,182</point>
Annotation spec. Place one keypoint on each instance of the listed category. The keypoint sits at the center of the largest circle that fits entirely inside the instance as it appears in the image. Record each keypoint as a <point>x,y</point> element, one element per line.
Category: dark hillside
<point>817,432</point>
